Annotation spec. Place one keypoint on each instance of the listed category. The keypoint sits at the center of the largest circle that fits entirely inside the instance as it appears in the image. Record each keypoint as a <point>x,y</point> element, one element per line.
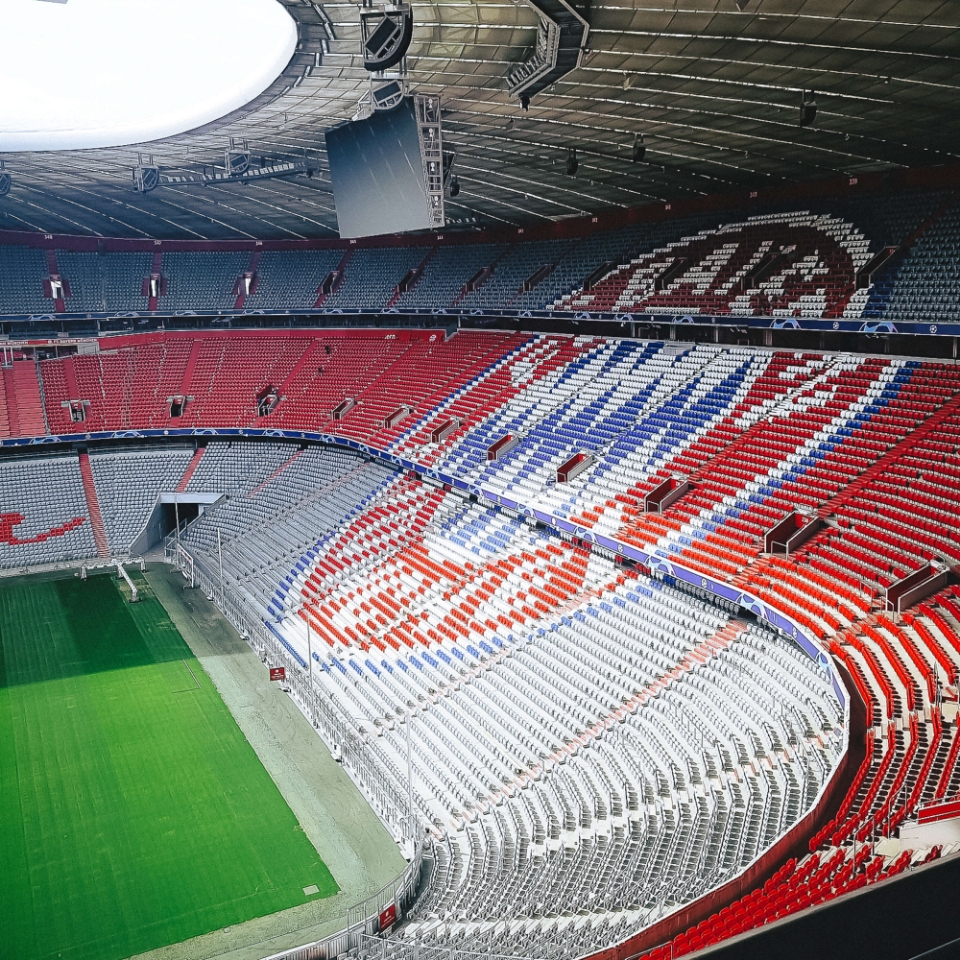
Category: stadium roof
<point>714,90</point>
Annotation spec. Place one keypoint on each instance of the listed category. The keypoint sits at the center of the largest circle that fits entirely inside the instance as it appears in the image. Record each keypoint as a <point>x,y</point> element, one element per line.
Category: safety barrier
<point>385,795</point>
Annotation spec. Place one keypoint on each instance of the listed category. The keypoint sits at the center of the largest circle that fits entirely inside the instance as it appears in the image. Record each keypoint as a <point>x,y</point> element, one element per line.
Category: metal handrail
<point>387,799</point>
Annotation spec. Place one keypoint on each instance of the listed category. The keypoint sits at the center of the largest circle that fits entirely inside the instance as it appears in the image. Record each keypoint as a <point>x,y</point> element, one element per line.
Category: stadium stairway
<point>187,382</point>
<point>412,278</point>
<point>191,470</point>
<point>292,459</point>
<point>24,404</point>
<point>9,421</point>
<point>93,505</point>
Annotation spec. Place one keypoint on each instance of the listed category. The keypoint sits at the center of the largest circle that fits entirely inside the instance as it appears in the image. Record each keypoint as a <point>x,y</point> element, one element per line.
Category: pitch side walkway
<point>347,834</point>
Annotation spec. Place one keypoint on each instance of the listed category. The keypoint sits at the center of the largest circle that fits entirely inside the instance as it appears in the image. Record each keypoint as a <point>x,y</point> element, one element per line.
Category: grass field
<point>133,813</point>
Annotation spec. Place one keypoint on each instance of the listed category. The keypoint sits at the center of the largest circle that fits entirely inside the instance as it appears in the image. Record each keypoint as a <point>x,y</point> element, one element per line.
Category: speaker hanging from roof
<point>5,180</point>
<point>236,160</point>
<point>146,176</point>
<point>386,94</point>
<point>449,159</point>
<point>385,35</point>
<point>808,108</point>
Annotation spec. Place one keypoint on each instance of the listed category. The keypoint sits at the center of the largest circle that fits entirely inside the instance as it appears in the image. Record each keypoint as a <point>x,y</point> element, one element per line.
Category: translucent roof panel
<point>103,73</point>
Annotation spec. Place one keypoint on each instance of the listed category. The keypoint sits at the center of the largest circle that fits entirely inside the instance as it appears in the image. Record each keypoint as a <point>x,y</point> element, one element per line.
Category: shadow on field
<point>54,629</point>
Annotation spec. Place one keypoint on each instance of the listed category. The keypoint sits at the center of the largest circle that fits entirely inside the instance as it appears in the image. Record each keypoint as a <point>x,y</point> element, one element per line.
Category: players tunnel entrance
<point>163,520</point>
<point>170,512</point>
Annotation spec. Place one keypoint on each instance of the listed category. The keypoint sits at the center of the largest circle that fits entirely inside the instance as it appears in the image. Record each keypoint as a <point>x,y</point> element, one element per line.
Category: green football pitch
<point>133,812</point>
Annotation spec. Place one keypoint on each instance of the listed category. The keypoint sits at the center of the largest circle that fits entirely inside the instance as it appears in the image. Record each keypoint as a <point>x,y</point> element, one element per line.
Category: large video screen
<point>378,175</point>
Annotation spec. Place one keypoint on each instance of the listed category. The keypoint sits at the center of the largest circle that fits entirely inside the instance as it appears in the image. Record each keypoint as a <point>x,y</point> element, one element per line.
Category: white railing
<point>373,947</point>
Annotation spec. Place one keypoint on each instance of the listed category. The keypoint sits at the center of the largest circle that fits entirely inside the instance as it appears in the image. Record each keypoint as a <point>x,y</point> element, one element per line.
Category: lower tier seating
<point>43,512</point>
<point>128,487</point>
<point>579,733</point>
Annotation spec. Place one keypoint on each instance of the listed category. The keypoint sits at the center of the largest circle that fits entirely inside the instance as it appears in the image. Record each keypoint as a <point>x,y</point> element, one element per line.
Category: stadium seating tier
<point>379,569</point>
<point>806,261</point>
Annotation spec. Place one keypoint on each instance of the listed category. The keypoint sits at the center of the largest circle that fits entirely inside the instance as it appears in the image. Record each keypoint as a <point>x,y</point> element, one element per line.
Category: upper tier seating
<point>780,265</point>
<point>516,264</point>
<point>202,281</point>
<point>927,286</point>
<point>21,281</point>
<point>834,236</point>
<point>87,288</point>
<point>889,222</point>
<point>291,279</point>
<point>446,273</point>
<point>123,275</point>
<point>609,246</point>
<point>371,276</point>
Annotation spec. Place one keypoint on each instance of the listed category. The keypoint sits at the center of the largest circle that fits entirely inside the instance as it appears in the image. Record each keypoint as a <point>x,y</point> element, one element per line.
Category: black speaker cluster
<point>386,35</point>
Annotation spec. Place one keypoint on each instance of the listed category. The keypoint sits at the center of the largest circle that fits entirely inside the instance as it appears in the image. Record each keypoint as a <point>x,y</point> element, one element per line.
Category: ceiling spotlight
<point>639,148</point>
<point>573,165</point>
<point>808,108</point>
<point>454,187</point>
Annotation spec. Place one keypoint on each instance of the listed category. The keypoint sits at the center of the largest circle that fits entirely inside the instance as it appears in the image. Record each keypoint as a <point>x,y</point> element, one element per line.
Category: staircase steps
<point>239,289</point>
<point>944,209</point>
<point>4,404</point>
<point>191,366</point>
<point>308,356</point>
<point>156,268</point>
<point>8,406</point>
<point>276,473</point>
<point>482,276</point>
<point>190,471</point>
<point>70,378</point>
<point>339,272</point>
<point>412,278</point>
<point>24,403</point>
<point>93,506</point>
<point>54,271</point>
